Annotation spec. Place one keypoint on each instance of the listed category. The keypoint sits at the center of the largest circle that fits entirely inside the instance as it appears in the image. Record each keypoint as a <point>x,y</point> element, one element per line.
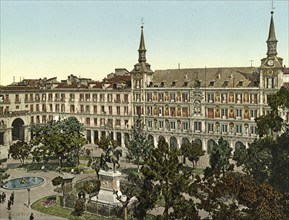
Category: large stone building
<point>200,104</point>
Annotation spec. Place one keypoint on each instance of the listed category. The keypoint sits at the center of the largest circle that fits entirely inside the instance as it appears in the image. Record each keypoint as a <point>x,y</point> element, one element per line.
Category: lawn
<point>58,210</point>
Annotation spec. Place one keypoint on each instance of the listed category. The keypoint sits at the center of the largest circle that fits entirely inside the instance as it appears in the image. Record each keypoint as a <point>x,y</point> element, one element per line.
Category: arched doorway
<point>210,145</point>
<point>18,130</point>
<point>173,143</point>
<point>185,140</point>
<point>239,145</point>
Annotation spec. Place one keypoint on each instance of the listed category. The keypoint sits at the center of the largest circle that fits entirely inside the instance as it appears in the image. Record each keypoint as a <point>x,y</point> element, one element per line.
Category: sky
<point>91,38</point>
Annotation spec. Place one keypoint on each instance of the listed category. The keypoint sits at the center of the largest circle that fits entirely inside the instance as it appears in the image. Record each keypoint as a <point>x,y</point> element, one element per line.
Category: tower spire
<point>142,50</point>
<point>272,41</point>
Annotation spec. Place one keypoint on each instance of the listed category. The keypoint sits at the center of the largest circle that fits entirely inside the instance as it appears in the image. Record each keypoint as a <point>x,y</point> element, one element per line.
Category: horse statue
<point>110,156</point>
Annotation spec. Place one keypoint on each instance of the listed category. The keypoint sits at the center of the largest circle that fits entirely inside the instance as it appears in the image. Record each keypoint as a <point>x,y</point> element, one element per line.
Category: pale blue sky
<point>92,38</point>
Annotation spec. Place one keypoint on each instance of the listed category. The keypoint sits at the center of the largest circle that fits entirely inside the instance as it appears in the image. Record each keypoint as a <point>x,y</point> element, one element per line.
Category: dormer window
<point>212,83</point>
<point>151,84</point>
<point>174,83</point>
<point>240,83</point>
<point>185,83</point>
<point>226,83</point>
<point>162,84</point>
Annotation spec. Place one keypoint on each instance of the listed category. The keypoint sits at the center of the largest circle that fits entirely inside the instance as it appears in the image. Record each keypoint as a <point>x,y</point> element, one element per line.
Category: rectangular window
<point>82,108</point>
<point>101,97</point>
<point>109,123</point>
<point>210,113</point>
<point>238,113</point>
<point>224,112</point>
<point>62,108</point>
<point>253,130</point>
<point>87,121</point>
<point>117,122</point>
<point>185,126</point>
<point>224,97</point>
<point>94,97</point>
<point>210,127</point>
<point>117,97</point>
<point>110,110</point>
<point>118,110</point>
<point>125,110</point>
<point>173,125</point>
<point>161,97</point>
<point>239,129</point>
<point>211,97</point>
<point>161,124</point>
<point>150,124</point>
<point>126,98</point>
<point>197,126</point>
<point>225,128</point>
<point>95,109</point>
<point>95,121</point>
<point>87,97</point>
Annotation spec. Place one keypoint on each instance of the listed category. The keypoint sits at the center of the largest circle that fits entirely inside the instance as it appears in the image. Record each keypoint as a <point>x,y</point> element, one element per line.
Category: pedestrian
<point>3,196</point>
<point>9,216</point>
<point>31,217</point>
<point>9,205</point>
<point>12,198</point>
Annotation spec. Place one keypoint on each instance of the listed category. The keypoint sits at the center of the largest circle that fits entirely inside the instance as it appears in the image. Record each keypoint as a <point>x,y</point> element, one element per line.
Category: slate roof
<point>208,77</point>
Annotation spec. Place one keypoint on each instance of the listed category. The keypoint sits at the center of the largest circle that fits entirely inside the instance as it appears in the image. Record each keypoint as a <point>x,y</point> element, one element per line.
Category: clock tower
<point>271,66</point>
<point>141,73</point>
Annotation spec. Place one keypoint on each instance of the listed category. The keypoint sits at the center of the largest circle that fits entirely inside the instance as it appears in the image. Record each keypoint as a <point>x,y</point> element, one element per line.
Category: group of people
<point>11,202</point>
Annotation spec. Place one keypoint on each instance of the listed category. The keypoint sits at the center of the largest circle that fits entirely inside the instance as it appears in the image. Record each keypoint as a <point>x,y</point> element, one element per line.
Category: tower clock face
<point>270,62</point>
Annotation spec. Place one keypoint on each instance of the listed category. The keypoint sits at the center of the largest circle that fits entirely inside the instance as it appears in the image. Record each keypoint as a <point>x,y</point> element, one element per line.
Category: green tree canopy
<point>162,170</point>
<point>58,138</point>
<point>220,159</point>
<point>192,151</point>
<point>138,146</point>
<point>20,151</point>
<point>273,123</point>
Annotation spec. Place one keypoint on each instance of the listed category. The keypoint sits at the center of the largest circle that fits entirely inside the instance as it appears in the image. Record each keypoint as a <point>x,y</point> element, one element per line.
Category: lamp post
<point>28,190</point>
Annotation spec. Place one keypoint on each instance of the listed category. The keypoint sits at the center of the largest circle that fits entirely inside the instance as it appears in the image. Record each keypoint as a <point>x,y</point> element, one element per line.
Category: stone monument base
<point>109,181</point>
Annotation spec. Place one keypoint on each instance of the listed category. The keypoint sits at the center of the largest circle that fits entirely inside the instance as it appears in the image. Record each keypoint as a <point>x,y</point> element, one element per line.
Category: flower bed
<point>48,202</point>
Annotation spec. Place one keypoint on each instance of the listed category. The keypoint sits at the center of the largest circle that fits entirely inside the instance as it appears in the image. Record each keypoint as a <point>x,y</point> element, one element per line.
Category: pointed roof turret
<point>142,50</point>
<point>272,41</point>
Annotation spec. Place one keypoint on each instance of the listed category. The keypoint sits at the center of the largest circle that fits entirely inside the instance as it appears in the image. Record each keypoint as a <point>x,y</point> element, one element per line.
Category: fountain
<point>23,182</point>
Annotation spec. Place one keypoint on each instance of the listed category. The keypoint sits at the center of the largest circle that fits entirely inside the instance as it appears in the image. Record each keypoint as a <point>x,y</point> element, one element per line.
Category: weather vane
<point>142,21</point>
<point>272,5</point>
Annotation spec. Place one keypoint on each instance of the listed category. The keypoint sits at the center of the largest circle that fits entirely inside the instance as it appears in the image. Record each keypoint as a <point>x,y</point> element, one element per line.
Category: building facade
<point>181,105</point>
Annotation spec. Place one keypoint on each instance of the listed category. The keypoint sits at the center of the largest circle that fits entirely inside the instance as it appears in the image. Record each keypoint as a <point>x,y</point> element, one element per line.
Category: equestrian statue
<point>110,156</point>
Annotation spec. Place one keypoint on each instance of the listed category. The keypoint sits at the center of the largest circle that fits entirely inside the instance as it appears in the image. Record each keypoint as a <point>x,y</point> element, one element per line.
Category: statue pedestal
<point>109,181</point>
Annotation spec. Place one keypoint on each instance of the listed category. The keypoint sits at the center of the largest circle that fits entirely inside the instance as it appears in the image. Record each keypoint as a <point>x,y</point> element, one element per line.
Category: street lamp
<point>28,190</point>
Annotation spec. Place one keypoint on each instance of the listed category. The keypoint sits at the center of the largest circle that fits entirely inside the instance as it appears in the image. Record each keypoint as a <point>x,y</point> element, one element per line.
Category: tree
<point>60,138</point>
<point>105,142</point>
<point>266,160</point>
<point>138,146</point>
<point>162,171</point>
<point>192,151</point>
<point>20,151</point>
<point>130,189</point>
<point>56,181</point>
<point>219,159</point>
<point>239,196</point>
<point>273,123</point>
<point>256,159</point>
